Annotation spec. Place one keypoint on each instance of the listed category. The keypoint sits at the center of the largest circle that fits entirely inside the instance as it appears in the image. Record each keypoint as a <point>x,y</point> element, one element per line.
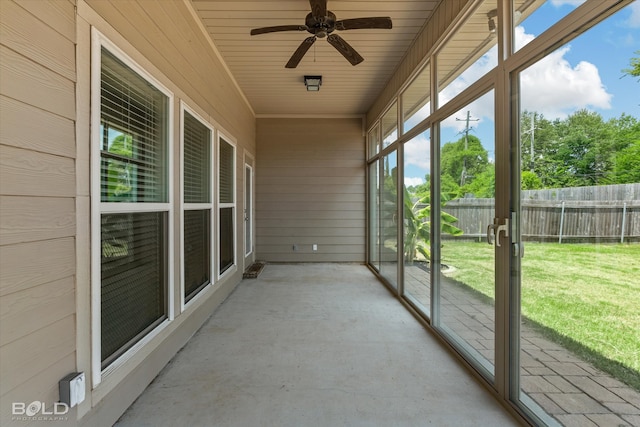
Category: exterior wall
<point>310,189</point>
<point>37,206</point>
<point>442,18</point>
<point>45,97</point>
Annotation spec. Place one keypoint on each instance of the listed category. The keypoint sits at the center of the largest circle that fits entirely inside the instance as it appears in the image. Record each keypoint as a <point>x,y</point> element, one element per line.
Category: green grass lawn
<point>585,296</point>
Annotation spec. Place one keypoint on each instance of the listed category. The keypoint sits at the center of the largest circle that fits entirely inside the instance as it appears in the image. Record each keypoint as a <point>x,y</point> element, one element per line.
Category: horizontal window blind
<point>133,135</point>
<point>227,256</point>
<point>197,258</point>
<point>197,160</point>
<point>227,193</point>
<point>133,168</point>
<point>134,276</point>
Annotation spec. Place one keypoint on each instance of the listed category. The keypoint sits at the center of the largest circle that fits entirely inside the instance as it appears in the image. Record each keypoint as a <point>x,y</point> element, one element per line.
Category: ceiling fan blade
<point>278,28</point>
<point>345,49</point>
<point>299,53</point>
<point>318,8</point>
<point>383,22</point>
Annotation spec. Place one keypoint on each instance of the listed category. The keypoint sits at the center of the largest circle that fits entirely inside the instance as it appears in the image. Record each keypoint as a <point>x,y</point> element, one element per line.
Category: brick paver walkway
<point>567,388</point>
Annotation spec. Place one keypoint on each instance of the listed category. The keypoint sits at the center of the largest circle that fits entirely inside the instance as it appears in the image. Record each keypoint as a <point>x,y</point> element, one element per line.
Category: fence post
<point>561,223</point>
<point>624,214</point>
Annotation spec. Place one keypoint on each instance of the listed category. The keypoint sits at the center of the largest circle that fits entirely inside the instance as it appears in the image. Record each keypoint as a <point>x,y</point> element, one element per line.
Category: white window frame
<point>197,206</point>
<point>98,41</point>
<point>248,229</point>
<point>234,266</point>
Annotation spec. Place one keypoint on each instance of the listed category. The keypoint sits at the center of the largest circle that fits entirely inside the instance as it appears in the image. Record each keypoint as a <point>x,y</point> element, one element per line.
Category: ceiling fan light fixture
<point>313,83</point>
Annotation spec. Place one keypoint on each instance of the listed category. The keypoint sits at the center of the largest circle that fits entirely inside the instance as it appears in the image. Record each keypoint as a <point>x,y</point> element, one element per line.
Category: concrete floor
<point>314,345</point>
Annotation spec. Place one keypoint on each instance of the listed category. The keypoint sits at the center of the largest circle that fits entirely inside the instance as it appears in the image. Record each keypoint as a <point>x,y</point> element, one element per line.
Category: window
<point>416,98</point>
<point>227,199</point>
<point>469,54</point>
<point>131,204</point>
<point>197,208</point>
<point>534,152</point>
<point>389,125</point>
<point>374,140</point>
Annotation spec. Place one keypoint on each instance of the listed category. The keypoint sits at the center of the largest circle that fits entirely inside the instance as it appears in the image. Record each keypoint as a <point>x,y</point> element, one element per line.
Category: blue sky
<point>585,73</point>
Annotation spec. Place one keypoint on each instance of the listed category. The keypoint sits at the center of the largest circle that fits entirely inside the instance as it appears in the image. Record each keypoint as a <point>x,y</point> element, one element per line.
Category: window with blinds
<point>134,274</point>
<point>197,192</point>
<point>197,160</point>
<point>134,267</point>
<point>197,251</point>
<point>226,157</point>
<point>133,124</point>
<point>227,163</point>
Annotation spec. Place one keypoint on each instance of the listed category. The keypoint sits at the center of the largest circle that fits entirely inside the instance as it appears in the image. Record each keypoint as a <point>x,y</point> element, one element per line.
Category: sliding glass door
<point>466,284</point>
<point>578,165</point>
<point>504,197</point>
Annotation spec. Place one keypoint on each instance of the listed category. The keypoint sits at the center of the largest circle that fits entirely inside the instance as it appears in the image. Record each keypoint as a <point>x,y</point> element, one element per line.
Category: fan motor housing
<point>321,26</point>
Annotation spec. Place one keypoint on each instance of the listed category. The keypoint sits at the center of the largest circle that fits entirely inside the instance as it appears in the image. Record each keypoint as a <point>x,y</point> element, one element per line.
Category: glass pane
<point>197,161</point>
<point>467,186</point>
<point>227,164</point>
<point>134,137</point>
<point>389,125</point>
<point>417,223</point>
<point>227,251</point>
<point>134,279</point>
<point>374,214</point>
<point>197,251</point>
<point>389,219</point>
<point>469,54</point>
<point>416,100</point>
<point>374,141</point>
<point>580,223</point>
<point>532,18</point>
<point>248,210</point>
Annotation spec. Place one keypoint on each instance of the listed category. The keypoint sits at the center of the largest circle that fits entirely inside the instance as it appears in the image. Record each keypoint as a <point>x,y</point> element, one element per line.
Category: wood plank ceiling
<point>258,62</point>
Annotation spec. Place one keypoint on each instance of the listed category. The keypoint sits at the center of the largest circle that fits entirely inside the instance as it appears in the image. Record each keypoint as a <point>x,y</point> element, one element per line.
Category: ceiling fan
<point>322,23</point>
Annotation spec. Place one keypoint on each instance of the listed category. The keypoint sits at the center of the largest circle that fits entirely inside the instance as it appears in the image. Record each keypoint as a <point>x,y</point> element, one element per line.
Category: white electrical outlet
<point>314,247</point>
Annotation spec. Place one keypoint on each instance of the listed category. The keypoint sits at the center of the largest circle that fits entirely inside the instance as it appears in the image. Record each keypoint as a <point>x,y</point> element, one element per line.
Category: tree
<point>634,69</point>
<point>538,144</point>
<point>483,185</point>
<point>417,225</point>
<point>584,150</point>
<point>464,155</point>
<point>119,171</point>
<point>530,181</point>
<point>627,165</point>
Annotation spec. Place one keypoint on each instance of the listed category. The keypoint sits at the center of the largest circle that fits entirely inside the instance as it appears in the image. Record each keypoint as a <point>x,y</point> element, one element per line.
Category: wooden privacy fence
<point>556,220</point>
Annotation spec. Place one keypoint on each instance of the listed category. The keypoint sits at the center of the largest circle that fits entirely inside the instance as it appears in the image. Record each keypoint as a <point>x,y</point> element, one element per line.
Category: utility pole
<point>531,133</point>
<point>533,126</point>
<point>463,175</point>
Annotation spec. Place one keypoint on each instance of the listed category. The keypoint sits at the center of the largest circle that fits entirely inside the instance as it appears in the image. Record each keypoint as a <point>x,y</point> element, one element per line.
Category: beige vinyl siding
<point>167,36</point>
<point>165,42</point>
<point>435,27</point>
<point>310,190</point>
<point>37,206</point>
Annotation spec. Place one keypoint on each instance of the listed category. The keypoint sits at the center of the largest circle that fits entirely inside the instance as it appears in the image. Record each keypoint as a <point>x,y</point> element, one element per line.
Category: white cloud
<point>574,3</point>
<point>481,111</point>
<point>481,67</point>
<point>411,181</point>
<point>554,88</point>
<point>634,18</point>
<point>522,38</point>
<point>417,153</point>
